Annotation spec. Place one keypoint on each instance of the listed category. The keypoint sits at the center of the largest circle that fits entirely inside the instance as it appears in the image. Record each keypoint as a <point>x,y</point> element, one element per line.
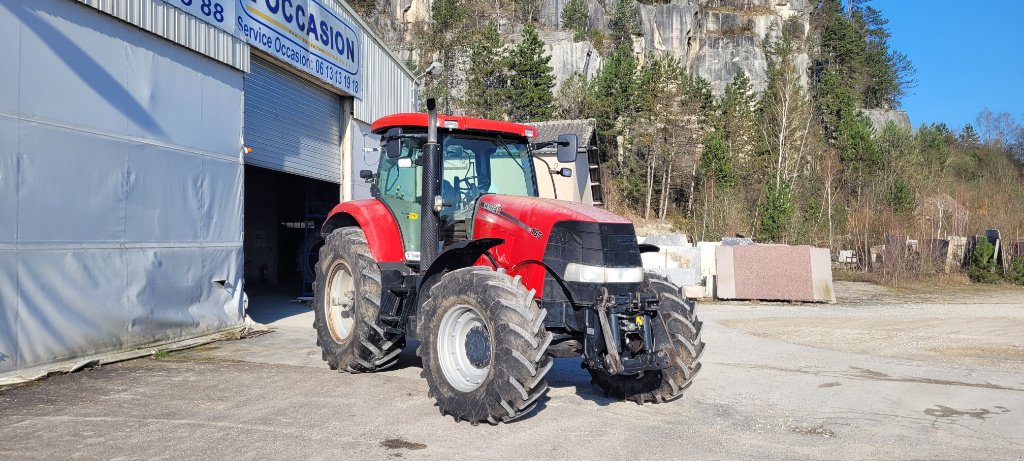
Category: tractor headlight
<point>596,274</point>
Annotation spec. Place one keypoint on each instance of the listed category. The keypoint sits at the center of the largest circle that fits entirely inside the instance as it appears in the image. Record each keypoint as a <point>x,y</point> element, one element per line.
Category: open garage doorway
<point>283,216</point>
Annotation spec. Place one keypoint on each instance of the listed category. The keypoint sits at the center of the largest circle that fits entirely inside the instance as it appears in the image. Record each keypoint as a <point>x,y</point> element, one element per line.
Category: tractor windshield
<point>477,165</point>
<point>474,165</point>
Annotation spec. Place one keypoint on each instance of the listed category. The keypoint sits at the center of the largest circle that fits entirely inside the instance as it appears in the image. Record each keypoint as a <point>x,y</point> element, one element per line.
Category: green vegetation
<point>531,79</point>
<point>792,158</point>
<point>983,265</point>
<point>486,86</point>
<point>625,22</point>
<point>1015,273</point>
<point>576,17</point>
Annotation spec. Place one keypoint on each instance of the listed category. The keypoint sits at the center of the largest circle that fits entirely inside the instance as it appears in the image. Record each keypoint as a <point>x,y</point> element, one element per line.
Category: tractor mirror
<point>365,174</point>
<point>565,172</point>
<point>567,146</point>
<point>393,148</point>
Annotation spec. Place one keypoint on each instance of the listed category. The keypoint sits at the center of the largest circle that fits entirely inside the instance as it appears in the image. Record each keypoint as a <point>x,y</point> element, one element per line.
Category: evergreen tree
<point>576,17</point>
<point>614,89</point>
<point>842,46</point>
<point>487,77</point>
<point>887,73</point>
<point>901,197</point>
<point>776,211</point>
<point>857,147</point>
<point>738,122</point>
<point>446,42</point>
<point>835,102</point>
<point>716,166</point>
<point>697,91</point>
<point>983,267</point>
<point>838,67</point>
<point>932,142</point>
<point>969,137</point>
<point>531,80</point>
<point>625,23</point>
<point>575,98</point>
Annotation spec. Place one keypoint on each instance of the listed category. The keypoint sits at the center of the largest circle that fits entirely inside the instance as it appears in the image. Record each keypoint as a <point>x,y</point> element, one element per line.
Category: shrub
<point>983,265</point>
<point>1015,273</point>
<point>901,196</point>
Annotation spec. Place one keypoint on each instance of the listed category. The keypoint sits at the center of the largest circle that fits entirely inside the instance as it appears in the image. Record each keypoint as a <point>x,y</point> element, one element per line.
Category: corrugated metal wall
<point>120,187</point>
<point>292,124</point>
<point>389,87</point>
<point>175,25</point>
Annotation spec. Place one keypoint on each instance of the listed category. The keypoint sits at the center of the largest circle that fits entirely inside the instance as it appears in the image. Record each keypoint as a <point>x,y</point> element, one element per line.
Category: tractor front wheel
<point>483,346</point>
<point>346,300</point>
<point>676,327</point>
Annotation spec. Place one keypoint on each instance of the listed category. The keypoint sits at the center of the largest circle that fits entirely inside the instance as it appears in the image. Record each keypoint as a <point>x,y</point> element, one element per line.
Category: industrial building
<point>157,156</point>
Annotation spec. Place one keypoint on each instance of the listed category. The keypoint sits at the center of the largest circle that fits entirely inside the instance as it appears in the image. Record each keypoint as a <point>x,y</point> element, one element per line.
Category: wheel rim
<point>340,302</point>
<point>464,348</point>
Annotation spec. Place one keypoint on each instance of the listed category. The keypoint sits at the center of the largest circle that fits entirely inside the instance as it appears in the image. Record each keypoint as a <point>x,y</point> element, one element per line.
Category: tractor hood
<point>555,233</point>
<point>543,212</point>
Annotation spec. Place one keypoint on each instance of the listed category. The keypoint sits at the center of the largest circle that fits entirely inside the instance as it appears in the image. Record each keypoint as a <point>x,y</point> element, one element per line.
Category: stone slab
<point>774,273</point>
<point>682,277</point>
<point>707,258</point>
<point>695,292</point>
<point>725,278</point>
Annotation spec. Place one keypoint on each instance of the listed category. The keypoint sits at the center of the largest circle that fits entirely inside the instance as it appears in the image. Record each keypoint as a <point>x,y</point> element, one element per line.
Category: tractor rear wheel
<point>484,346</point>
<point>675,327</point>
<point>346,300</point>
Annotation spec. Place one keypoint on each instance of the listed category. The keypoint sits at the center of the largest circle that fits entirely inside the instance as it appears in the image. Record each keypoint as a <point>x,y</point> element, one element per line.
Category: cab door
<point>399,185</point>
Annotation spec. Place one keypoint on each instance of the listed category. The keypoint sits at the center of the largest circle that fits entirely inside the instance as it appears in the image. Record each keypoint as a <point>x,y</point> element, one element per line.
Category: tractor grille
<point>593,244</point>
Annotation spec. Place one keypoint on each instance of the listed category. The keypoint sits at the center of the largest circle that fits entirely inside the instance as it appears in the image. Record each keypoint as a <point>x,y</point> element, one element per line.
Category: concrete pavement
<point>882,375</point>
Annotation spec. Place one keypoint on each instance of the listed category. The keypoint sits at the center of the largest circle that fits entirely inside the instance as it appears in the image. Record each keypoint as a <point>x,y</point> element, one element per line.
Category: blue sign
<point>308,35</point>
<point>220,13</point>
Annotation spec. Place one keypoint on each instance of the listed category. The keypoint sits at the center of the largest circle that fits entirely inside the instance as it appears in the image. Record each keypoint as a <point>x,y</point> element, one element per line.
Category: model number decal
<point>493,208</point>
<point>496,209</point>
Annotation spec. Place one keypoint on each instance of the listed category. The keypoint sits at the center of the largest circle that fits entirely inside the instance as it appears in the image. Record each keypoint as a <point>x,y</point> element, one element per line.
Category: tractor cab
<point>478,157</point>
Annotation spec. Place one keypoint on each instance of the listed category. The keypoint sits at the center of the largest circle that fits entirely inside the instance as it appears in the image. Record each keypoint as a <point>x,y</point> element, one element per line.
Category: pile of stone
<point>740,269</point>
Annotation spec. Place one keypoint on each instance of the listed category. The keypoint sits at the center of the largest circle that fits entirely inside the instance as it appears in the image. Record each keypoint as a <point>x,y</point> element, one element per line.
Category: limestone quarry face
<point>713,38</point>
<point>882,117</point>
<point>568,56</point>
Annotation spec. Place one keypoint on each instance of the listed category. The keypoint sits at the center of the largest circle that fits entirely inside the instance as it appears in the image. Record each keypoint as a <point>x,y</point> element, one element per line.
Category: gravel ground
<point>884,374</point>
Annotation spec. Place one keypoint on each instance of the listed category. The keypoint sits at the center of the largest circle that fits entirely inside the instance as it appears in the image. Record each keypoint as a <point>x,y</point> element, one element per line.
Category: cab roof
<point>451,122</point>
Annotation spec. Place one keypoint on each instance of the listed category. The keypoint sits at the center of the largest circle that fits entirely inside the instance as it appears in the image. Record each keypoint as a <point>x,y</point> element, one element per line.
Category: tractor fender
<point>376,221</point>
<point>459,255</point>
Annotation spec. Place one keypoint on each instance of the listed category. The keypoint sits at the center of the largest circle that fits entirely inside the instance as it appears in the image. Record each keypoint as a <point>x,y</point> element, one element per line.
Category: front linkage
<point>626,334</point>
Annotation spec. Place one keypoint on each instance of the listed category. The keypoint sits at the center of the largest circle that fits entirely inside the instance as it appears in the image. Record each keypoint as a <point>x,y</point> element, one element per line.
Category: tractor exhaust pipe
<point>430,201</point>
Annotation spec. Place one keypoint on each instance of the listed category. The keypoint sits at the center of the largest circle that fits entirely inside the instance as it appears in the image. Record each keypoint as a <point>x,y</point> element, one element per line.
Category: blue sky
<point>969,56</point>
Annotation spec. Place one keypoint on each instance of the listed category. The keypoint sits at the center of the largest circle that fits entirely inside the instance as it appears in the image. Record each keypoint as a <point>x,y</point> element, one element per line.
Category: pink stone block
<point>774,273</point>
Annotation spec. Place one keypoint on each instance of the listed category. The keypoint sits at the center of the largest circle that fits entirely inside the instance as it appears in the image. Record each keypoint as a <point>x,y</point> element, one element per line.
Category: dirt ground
<point>928,373</point>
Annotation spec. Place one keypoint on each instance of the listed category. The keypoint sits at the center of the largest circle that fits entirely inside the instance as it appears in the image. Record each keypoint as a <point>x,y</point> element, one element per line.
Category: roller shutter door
<point>292,124</point>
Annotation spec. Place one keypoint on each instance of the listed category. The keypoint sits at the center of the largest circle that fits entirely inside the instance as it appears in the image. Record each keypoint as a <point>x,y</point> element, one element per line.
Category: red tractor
<point>457,251</point>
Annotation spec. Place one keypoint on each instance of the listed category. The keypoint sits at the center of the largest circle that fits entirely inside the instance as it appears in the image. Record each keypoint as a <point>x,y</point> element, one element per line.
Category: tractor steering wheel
<point>471,182</point>
<point>468,189</point>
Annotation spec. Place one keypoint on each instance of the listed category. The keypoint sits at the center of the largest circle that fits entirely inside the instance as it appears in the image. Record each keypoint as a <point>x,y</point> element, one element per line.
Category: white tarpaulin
<point>120,187</point>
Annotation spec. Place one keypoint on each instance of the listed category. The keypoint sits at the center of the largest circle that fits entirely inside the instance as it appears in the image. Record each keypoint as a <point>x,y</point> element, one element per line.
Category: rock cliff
<point>714,38</point>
